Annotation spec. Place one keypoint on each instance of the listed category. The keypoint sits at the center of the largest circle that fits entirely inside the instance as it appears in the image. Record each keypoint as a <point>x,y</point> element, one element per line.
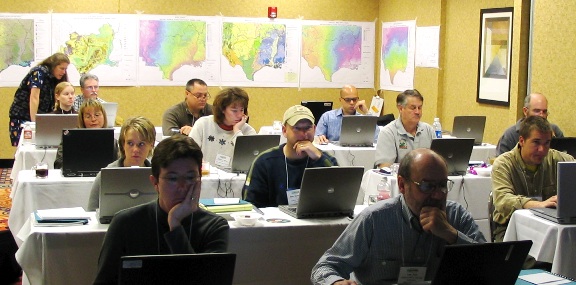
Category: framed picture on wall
<point>495,55</point>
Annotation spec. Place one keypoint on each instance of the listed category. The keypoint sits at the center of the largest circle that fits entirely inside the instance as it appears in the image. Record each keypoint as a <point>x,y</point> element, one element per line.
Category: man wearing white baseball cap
<point>279,170</point>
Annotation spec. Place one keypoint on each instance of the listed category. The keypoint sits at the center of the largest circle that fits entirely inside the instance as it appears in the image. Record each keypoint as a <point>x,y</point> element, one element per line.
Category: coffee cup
<point>41,169</point>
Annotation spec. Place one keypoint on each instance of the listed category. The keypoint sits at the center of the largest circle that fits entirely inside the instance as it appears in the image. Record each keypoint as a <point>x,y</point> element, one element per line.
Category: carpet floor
<point>5,201</point>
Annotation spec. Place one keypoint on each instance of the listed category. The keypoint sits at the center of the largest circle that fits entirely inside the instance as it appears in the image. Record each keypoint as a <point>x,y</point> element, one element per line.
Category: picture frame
<point>495,56</point>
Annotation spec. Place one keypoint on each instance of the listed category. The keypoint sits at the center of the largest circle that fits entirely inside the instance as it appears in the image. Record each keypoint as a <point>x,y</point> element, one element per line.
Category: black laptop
<point>196,269</point>
<point>483,263</point>
<point>567,145</point>
<point>86,151</point>
<point>247,148</point>
<point>469,127</point>
<point>456,152</point>
<point>317,108</point>
<point>327,192</point>
<point>565,212</point>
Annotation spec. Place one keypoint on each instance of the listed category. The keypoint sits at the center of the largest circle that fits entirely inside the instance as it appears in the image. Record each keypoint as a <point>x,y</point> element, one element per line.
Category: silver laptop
<point>247,148</point>
<point>197,269</point>
<point>456,152</point>
<point>357,131</point>
<point>327,192</point>
<point>469,127</point>
<point>565,212</point>
<point>482,263</point>
<point>122,188</point>
<point>111,111</point>
<point>49,128</point>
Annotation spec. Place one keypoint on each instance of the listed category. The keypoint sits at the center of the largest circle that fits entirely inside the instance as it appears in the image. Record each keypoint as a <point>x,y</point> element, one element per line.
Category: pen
<point>258,210</point>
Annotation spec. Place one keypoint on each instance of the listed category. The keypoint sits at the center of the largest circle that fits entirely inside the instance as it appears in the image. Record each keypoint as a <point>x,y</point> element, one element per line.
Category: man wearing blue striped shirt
<point>405,232</point>
<point>330,123</point>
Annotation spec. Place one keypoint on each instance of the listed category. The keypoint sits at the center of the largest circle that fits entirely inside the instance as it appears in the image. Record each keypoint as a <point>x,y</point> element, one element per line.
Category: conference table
<point>27,155</point>
<point>552,242</point>
<point>30,193</point>
<point>268,253</point>
<point>471,191</point>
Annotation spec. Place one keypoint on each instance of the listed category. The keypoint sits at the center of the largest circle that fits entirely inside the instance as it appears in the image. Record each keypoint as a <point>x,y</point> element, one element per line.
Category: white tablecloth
<point>30,193</point>
<point>471,191</point>
<point>351,156</point>
<point>552,242</point>
<point>269,253</point>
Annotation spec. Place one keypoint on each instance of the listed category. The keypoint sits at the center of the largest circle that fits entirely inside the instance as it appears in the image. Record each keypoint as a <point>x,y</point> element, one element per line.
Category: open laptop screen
<point>318,108</point>
<point>86,151</point>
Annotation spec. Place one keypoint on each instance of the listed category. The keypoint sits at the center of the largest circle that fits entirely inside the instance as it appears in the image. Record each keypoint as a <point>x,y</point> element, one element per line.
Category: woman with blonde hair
<point>64,98</point>
<point>136,143</point>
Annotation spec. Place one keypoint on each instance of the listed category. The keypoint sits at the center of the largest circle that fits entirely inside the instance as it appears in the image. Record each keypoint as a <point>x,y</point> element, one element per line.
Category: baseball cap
<point>297,113</point>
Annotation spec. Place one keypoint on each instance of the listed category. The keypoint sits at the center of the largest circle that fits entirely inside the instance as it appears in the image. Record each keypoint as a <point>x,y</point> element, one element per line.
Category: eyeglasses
<point>428,187</point>
<point>200,96</point>
<point>188,179</point>
<point>95,116</point>
<point>538,111</point>
<point>350,100</point>
<point>92,87</point>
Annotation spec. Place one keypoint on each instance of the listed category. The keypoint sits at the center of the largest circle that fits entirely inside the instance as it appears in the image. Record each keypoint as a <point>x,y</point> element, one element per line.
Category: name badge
<point>222,161</point>
<point>409,274</point>
<point>293,196</point>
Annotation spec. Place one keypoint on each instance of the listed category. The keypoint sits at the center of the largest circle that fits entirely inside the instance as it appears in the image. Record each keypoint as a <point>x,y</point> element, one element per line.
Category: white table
<point>30,193</point>
<point>351,156</point>
<point>552,242</point>
<point>471,191</point>
<point>269,253</point>
<point>28,154</point>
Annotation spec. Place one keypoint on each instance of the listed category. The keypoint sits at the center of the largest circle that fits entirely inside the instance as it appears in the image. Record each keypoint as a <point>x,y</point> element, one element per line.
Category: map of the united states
<point>172,44</point>
<point>332,48</point>
<point>253,46</point>
<point>395,50</point>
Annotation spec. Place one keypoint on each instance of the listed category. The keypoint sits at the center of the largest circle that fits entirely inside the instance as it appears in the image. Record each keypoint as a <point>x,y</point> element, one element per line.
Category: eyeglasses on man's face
<point>200,96</point>
<point>92,88</point>
<point>428,187</point>
<point>350,100</point>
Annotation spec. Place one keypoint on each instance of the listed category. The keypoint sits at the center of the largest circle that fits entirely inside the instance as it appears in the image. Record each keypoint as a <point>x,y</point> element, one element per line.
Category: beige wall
<point>266,104</point>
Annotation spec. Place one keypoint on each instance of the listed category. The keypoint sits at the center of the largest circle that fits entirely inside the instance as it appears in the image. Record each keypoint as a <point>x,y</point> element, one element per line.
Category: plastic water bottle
<point>383,189</point>
<point>437,127</point>
<point>27,133</point>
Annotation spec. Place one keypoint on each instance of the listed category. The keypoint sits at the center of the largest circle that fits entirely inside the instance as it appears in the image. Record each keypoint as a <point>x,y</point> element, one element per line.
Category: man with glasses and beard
<point>403,234</point>
<point>279,170</point>
<point>181,117</point>
<point>330,123</point>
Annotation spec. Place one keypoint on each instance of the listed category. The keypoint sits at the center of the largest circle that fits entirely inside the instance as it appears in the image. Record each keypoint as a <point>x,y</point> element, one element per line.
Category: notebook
<point>326,192</point>
<point>565,212</point>
<point>483,263</point>
<point>567,145</point>
<point>122,188</point>
<point>86,151</point>
<point>111,111</point>
<point>49,128</point>
<point>456,152</point>
<point>247,148</point>
<point>357,131</point>
<point>197,269</point>
<point>469,127</point>
<point>318,108</point>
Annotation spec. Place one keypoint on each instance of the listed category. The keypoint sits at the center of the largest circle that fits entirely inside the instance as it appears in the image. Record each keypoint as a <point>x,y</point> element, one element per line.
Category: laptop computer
<point>357,131</point>
<point>327,192</point>
<point>122,188</point>
<point>567,144</point>
<point>469,127</point>
<point>565,212</point>
<point>247,148</point>
<point>111,111</point>
<point>483,263</point>
<point>456,152</point>
<point>197,269</point>
<point>318,108</point>
<point>49,128</point>
<point>86,151</point>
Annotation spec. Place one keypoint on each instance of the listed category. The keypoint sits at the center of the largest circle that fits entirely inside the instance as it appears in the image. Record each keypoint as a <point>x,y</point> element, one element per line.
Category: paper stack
<point>222,205</point>
<point>62,216</point>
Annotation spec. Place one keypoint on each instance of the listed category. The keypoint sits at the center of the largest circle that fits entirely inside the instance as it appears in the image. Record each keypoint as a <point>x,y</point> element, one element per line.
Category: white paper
<point>544,278</point>
<point>63,213</point>
<point>226,201</point>
<point>427,46</point>
<point>376,106</point>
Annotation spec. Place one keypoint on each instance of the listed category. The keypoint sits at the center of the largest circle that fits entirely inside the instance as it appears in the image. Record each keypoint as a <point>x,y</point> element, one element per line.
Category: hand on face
<point>433,220</point>
<point>185,207</point>
<point>238,126</point>
<point>361,105</point>
<point>306,148</point>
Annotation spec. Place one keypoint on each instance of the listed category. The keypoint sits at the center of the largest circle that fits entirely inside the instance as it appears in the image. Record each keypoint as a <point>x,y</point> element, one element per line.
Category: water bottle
<point>437,128</point>
<point>27,133</point>
<point>383,189</point>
